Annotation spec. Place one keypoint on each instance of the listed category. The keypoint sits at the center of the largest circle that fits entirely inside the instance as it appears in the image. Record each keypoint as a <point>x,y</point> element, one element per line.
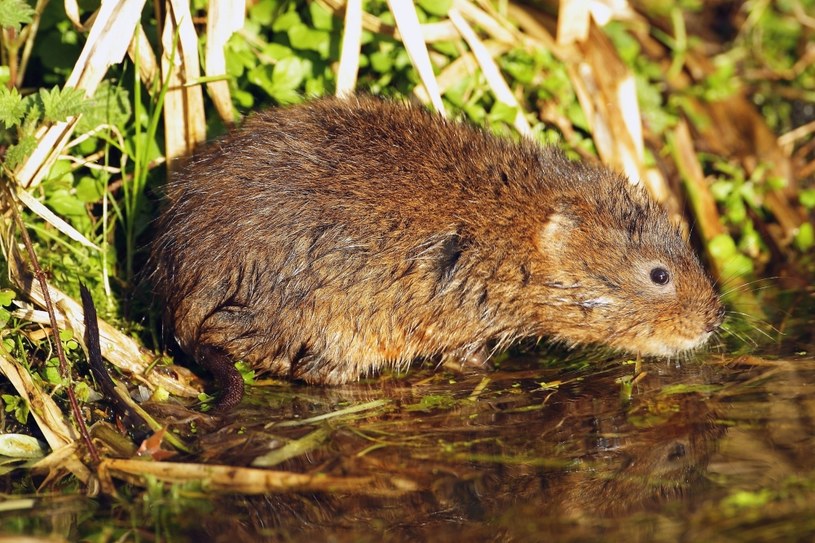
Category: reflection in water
<point>519,459</point>
<point>710,451</point>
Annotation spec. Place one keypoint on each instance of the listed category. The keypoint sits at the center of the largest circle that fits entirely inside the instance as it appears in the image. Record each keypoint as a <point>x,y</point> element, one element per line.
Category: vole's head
<point>615,271</point>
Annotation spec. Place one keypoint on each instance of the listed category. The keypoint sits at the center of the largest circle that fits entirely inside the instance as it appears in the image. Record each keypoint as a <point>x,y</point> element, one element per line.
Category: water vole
<point>327,240</point>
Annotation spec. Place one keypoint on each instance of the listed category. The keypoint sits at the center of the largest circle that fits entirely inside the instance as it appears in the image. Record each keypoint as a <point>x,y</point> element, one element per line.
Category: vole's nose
<point>717,321</point>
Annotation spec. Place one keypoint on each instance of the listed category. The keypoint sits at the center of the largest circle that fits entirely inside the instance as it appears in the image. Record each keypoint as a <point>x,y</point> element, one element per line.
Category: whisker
<point>753,319</point>
<point>740,336</point>
<point>749,284</point>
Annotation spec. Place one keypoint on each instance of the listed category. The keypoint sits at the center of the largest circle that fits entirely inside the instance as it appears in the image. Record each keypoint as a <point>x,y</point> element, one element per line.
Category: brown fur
<point>327,240</point>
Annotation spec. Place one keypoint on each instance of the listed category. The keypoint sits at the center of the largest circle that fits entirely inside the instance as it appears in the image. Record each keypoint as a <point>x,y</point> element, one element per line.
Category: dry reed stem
<point>42,211</point>
<point>606,91</point>
<point>141,53</point>
<point>107,41</point>
<point>788,139</point>
<point>236,480</point>
<point>607,94</point>
<point>434,32</point>
<point>461,67</point>
<point>350,49</point>
<point>690,170</point>
<point>575,17</point>
<point>224,18</point>
<point>56,430</point>
<point>72,12</point>
<point>184,116</point>
<point>573,22</point>
<point>708,221</point>
<point>489,23</point>
<point>119,349</point>
<point>431,32</point>
<point>28,47</point>
<point>490,70</point>
<point>529,23</point>
<point>408,23</point>
<point>106,45</point>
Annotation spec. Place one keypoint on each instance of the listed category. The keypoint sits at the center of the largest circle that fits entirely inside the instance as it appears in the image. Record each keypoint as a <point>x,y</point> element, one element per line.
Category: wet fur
<point>327,240</point>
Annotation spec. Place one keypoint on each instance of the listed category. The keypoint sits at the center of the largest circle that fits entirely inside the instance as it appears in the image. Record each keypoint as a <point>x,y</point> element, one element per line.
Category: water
<point>716,449</point>
<point>713,450</point>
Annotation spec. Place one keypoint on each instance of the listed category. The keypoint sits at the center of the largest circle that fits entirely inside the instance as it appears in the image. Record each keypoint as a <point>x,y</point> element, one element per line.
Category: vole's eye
<point>660,276</point>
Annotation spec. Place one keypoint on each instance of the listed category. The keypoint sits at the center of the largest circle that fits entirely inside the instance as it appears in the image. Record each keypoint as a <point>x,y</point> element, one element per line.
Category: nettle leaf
<point>16,154</point>
<point>12,107</point>
<point>33,114</point>
<point>110,105</point>
<point>59,104</point>
<point>14,13</point>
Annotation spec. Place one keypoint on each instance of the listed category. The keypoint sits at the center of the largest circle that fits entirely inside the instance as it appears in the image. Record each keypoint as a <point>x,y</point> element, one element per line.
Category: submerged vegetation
<point>709,104</point>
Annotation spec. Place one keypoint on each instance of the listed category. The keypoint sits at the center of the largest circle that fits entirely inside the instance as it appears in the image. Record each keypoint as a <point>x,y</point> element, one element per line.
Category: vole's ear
<point>555,231</point>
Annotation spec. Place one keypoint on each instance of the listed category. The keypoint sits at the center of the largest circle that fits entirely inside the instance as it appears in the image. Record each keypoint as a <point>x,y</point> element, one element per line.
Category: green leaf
<point>321,18</point>
<point>82,391</point>
<point>436,7</point>
<point>6,297</point>
<point>503,112</point>
<point>5,316</point>
<point>805,237</point>
<point>289,73</point>
<point>744,499</point>
<point>243,98</point>
<point>59,104</point>
<point>12,107</point>
<point>447,48</point>
<point>277,51</point>
<point>740,265</point>
<point>16,154</point>
<point>303,37</point>
<point>807,198</point>
<point>722,247</point>
<point>89,189</point>
<point>239,57</point>
<point>286,21</point>
<point>282,80</point>
<point>315,87</point>
<point>736,210</point>
<point>432,402</point>
<point>520,65</point>
<point>14,13</point>
<point>16,405</point>
<point>61,174</point>
<point>110,105</point>
<point>381,62</point>
<point>721,189</point>
<point>51,372</point>
<point>263,13</point>
<point>246,371</point>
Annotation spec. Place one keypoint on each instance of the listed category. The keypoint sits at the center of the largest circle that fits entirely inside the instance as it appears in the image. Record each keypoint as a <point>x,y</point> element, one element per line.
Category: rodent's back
<point>325,240</point>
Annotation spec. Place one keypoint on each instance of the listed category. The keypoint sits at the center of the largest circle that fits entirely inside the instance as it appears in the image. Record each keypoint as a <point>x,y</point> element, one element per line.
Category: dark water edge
<point>716,449</point>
